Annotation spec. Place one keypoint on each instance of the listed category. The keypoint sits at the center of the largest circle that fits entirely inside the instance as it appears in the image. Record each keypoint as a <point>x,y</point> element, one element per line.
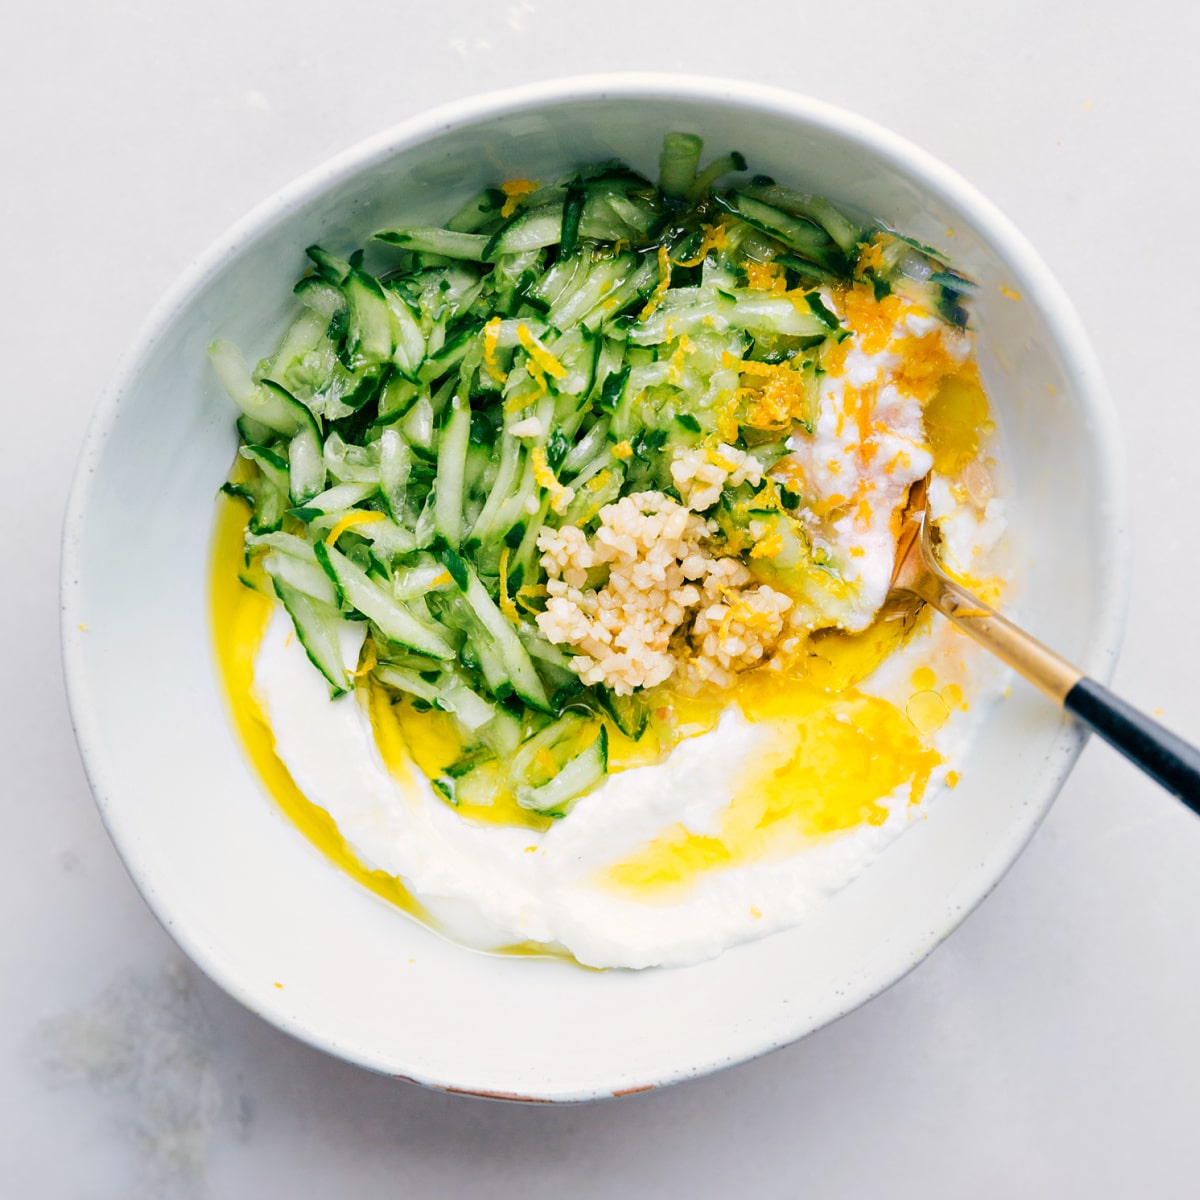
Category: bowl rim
<point>1063,324</point>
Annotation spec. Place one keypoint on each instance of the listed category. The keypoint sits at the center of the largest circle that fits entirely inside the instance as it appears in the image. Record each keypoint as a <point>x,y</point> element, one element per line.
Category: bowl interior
<point>258,907</point>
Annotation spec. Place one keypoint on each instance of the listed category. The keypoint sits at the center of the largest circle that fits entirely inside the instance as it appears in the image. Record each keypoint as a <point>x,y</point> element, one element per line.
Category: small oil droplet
<point>927,711</point>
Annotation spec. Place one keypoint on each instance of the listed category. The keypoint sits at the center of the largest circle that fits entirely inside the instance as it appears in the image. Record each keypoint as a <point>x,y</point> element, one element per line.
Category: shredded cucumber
<point>445,393</point>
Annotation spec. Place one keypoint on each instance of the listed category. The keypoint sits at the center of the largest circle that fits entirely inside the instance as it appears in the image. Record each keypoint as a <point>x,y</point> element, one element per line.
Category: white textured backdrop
<point>1050,1048</point>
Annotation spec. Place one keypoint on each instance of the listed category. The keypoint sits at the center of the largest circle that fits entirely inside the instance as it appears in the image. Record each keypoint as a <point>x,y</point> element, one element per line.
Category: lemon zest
<point>560,495</point>
<point>491,335</point>
<point>507,607</point>
<point>768,547</point>
<point>369,662</point>
<point>661,287</point>
<point>545,362</point>
<point>357,516</point>
<point>714,239</point>
<point>515,190</point>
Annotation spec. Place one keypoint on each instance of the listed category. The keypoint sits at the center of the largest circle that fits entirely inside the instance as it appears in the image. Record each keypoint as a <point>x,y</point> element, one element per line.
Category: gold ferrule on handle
<point>1025,654</point>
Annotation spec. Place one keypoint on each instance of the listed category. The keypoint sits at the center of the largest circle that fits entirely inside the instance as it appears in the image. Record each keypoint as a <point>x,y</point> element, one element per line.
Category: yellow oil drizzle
<point>432,740</point>
<point>831,759</point>
<point>239,619</point>
<point>956,420</point>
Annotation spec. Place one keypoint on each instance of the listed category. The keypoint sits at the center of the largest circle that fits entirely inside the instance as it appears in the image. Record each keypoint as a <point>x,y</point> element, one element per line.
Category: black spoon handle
<point>1160,753</point>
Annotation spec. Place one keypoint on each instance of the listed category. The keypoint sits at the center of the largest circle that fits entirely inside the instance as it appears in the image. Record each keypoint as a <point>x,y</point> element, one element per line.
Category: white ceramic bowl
<point>255,905</point>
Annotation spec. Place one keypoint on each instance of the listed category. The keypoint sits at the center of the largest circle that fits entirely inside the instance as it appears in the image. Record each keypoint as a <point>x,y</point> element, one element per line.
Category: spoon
<point>1161,754</point>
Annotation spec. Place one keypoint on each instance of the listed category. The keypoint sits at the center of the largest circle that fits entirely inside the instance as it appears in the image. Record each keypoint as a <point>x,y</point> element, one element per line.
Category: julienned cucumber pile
<point>548,351</point>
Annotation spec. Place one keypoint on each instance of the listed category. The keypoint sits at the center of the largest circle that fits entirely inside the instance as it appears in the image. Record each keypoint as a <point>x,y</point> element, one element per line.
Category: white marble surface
<point>1050,1048</point>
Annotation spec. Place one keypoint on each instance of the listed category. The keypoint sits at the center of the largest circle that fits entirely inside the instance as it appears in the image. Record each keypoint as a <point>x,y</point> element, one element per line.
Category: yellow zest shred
<point>369,661</point>
<point>714,239</point>
<point>515,190</point>
<point>767,547</point>
<point>871,256</point>
<point>491,335</point>
<point>357,516</point>
<point>529,592</point>
<point>622,450</point>
<point>545,362</point>
<point>560,496</point>
<point>778,396</point>
<point>766,277</point>
<point>661,288</point>
<point>507,607</point>
<point>675,367</point>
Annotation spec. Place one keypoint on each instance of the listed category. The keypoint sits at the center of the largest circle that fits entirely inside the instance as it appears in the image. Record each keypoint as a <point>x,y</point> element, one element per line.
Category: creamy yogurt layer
<point>494,887</point>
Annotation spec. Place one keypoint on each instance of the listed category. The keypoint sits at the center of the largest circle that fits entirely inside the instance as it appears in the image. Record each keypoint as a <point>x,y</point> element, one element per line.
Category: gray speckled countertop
<point>1049,1048</point>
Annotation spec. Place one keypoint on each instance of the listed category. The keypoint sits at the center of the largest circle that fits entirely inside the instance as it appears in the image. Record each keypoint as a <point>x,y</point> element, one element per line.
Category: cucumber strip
<point>502,734</point>
<point>572,214</point>
<point>805,268</point>
<point>451,463</point>
<point>409,353</point>
<point>268,502</point>
<point>528,230</point>
<point>319,629</point>
<point>510,461</point>
<point>306,467</point>
<point>395,400</point>
<point>518,666</point>
<point>339,498</point>
<point>329,266</point>
<point>465,703</point>
<point>637,216</point>
<point>733,161</point>
<point>284,543</point>
<point>417,423</point>
<point>588,289</point>
<point>678,162</point>
<point>630,714</point>
<point>306,332</point>
<point>321,296</point>
<point>449,354</point>
<point>587,448</point>
<point>395,467</point>
<point>478,211</point>
<point>369,336</point>
<point>390,617</point>
<point>635,287</point>
<point>266,402</point>
<point>541,649</point>
<point>252,432</point>
<point>350,463</point>
<point>547,289</point>
<point>388,540</point>
<point>816,208</point>
<point>404,680</point>
<point>420,580</point>
<point>760,313</point>
<point>580,775</point>
<point>806,238</point>
<point>429,240</point>
<point>302,575</point>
